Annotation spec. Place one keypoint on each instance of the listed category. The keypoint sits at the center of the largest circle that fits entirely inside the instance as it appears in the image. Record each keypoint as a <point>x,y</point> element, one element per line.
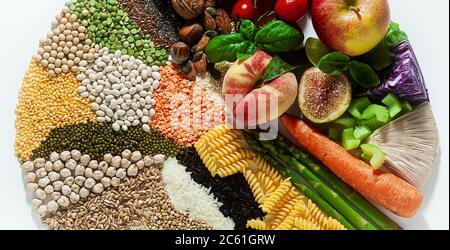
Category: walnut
<point>208,21</point>
<point>201,65</point>
<point>223,21</point>
<point>201,45</point>
<point>188,9</point>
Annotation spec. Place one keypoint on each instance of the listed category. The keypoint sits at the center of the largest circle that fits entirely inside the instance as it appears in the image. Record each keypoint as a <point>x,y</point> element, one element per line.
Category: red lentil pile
<point>184,110</point>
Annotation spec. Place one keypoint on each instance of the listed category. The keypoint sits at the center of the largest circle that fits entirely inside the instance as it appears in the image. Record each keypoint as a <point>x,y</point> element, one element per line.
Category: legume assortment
<point>111,27</point>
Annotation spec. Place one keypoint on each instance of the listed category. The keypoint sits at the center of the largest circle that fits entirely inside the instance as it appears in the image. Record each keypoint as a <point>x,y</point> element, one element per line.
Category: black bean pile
<point>98,139</point>
<point>232,191</point>
<point>155,18</point>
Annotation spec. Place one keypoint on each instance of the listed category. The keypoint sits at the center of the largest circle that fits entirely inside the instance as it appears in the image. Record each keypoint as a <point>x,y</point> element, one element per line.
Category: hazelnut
<point>190,33</point>
<point>180,52</point>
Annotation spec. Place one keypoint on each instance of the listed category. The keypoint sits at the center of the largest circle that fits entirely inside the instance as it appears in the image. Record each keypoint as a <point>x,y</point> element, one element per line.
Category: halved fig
<point>324,98</point>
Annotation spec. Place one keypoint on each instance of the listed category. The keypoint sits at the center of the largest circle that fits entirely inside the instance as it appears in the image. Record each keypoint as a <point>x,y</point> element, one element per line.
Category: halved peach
<point>255,106</point>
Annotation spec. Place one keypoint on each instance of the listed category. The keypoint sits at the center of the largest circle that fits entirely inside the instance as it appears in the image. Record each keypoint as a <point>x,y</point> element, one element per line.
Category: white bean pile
<point>121,88</point>
<point>66,178</point>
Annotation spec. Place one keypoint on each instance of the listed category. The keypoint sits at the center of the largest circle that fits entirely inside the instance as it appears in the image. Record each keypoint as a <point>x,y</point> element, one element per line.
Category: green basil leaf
<point>276,68</point>
<point>247,51</point>
<point>380,57</point>
<point>225,47</point>
<point>248,29</point>
<point>395,35</point>
<point>334,63</point>
<point>278,36</point>
<point>315,50</point>
<point>363,75</point>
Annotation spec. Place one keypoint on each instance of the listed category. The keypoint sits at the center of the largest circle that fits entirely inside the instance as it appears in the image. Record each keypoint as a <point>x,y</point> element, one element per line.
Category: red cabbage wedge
<point>405,78</point>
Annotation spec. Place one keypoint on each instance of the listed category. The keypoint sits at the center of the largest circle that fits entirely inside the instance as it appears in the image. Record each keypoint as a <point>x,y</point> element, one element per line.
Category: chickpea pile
<point>66,45</point>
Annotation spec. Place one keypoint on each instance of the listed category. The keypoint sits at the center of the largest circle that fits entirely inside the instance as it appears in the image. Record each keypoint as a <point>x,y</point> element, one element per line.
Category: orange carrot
<point>385,189</point>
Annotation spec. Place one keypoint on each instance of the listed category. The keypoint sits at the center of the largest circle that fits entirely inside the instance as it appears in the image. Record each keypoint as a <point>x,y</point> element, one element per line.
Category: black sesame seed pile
<point>98,139</point>
<point>232,191</point>
<point>155,18</point>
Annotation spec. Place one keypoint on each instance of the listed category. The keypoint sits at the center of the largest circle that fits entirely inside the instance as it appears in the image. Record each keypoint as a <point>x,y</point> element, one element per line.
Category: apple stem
<point>355,9</point>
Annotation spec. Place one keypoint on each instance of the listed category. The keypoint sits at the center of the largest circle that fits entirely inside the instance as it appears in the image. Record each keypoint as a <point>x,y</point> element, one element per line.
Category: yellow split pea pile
<point>46,103</point>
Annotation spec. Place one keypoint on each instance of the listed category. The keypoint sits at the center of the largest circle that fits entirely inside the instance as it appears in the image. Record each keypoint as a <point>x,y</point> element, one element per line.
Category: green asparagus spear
<point>369,210</point>
<point>298,182</point>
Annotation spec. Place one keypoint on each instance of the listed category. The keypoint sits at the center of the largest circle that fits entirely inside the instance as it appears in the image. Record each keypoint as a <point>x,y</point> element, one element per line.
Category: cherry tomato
<point>244,9</point>
<point>291,10</point>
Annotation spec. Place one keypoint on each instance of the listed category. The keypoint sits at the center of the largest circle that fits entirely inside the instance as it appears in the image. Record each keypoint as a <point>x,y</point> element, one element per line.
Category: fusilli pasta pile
<point>223,152</point>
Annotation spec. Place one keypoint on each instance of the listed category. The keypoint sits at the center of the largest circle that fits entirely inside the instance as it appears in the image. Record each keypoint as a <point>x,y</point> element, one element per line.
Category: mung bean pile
<point>99,139</point>
<point>94,126</point>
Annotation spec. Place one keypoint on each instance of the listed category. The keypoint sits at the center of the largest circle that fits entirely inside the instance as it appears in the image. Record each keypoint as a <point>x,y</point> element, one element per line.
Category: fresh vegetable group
<point>359,77</point>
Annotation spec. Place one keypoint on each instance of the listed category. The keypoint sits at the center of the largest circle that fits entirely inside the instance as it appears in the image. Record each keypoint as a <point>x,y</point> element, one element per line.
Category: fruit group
<point>353,27</point>
<point>291,11</point>
<point>324,98</point>
<point>254,106</point>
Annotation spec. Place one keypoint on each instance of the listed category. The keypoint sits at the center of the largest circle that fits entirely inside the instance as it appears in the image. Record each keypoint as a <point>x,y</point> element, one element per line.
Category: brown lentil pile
<point>46,103</point>
<point>138,203</point>
<point>155,18</point>
<point>65,45</point>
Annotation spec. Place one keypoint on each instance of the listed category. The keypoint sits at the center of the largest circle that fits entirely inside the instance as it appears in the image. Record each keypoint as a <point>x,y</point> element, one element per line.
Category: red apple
<point>353,27</point>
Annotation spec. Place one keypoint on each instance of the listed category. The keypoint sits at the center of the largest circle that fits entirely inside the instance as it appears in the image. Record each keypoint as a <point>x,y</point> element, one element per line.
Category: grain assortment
<point>123,120</point>
<point>137,203</point>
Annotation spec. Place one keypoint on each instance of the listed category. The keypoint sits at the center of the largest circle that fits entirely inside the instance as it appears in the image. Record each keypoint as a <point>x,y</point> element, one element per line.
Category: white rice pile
<point>188,196</point>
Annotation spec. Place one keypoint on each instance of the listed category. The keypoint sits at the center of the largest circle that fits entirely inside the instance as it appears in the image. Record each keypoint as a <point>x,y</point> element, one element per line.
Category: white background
<point>24,22</point>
